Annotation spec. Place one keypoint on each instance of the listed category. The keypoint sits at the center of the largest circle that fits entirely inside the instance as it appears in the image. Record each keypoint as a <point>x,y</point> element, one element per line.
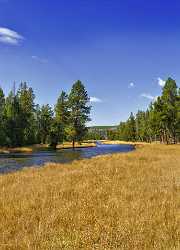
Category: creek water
<point>17,161</point>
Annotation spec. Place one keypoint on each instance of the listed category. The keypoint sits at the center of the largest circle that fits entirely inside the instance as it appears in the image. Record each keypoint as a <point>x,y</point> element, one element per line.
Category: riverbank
<point>119,201</point>
<point>85,144</point>
<point>30,149</point>
<point>5,150</point>
<point>123,142</point>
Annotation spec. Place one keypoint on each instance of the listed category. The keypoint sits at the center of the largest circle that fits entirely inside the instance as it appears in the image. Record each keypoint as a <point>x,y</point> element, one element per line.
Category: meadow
<point>120,201</point>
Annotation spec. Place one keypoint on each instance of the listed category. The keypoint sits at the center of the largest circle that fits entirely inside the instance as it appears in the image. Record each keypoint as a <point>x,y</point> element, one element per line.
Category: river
<point>17,161</point>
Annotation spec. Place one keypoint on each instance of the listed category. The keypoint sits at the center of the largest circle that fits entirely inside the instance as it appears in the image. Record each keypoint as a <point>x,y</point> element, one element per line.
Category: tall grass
<point>120,201</point>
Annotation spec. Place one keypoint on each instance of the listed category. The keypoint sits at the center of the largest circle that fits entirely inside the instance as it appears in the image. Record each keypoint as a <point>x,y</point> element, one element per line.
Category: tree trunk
<point>53,145</point>
<point>174,137</point>
<point>44,140</point>
<point>166,136</point>
<point>73,144</point>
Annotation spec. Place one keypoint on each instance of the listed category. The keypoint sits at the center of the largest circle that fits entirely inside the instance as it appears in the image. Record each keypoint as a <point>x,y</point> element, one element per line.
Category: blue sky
<point>121,50</point>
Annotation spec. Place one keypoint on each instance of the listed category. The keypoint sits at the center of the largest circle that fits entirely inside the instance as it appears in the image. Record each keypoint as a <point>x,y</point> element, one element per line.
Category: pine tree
<point>141,129</point>
<point>61,116</point>
<point>26,102</point>
<point>13,121</point>
<point>79,112</point>
<point>160,122</point>
<point>131,128</point>
<point>170,109</point>
<point>2,119</point>
<point>178,116</point>
<point>45,122</point>
<point>37,125</point>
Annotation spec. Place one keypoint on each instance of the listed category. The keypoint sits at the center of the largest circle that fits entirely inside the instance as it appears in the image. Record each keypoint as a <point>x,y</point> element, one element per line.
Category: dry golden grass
<point>120,201</point>
<point>5,150</point>
<point>30,149</point>
<point>66,145</point>
<point>124,142</point>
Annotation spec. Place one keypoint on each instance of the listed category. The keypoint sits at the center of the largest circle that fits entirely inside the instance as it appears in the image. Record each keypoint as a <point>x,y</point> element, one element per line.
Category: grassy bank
<point>85,144</point>
<point>30,149</point>
<point>5,150</point>
<point>120,201</point>
<point>124,142</point>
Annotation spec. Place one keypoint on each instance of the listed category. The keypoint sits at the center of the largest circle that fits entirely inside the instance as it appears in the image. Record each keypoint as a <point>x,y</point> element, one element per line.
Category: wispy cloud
<point>9,36</point>
<point>131,85</point>
<point>95,99</point>
<point>161,82</point>
<point>39,59</point>
<point>148,96</point>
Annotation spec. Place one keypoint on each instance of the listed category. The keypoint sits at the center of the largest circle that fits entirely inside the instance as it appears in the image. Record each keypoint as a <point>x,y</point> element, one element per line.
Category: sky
<point>122,51</point>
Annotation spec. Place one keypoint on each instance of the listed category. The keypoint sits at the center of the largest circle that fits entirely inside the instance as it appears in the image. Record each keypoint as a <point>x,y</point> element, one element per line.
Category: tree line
<point>160,122</point>
<point>22,122</point>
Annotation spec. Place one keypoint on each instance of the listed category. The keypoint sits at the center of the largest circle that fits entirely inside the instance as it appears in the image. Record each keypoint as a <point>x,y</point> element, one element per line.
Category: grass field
<point>121,201</point>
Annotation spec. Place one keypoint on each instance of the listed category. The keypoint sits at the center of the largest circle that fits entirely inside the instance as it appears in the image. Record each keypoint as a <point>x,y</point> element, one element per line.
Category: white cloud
<point>131,85</point>
<point>41,60</point>
<point>161,82</point>
<point>10,36</point>
<point>148,96</point>
<point>95,99</point>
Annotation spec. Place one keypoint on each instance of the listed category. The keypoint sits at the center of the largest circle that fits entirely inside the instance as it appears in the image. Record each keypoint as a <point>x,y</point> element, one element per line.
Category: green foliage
<point>54,134</point>
<point>14,133</point>
<point>79,111</point>
<point>141,125</point>
<point>127,130</point>
<point>22,122</point>
<point>45,122</point>
<point>2,119</point>
<point>26,104</point>
<point>160,122</point>
<point>61,116</point>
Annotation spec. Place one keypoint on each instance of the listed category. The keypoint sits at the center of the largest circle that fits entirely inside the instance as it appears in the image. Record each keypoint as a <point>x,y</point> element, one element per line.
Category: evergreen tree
<point>178,116</point>
<point>160,122</point>
<point>170,109</point>
<point>122,131</point>
<point>26,102</point>
<point>45,122</point>
<point>37,125</point>
<point>141,129</point>
<point>61,116</point>
<point>2,119</point>
<point>131,128</point>
<point>22,122</point>
<point>14,135</point>
<point>79,112</point>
